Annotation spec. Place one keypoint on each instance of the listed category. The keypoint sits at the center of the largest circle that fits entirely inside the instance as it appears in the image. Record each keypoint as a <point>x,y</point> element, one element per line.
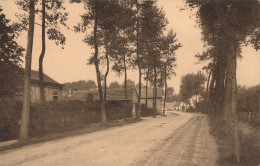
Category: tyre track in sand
<point>189,145</point>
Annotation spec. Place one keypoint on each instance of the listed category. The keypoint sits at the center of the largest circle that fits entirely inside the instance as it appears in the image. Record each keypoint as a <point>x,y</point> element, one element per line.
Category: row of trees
<point>124,35</point>
<point>226,26</point>
<point>128,35</point>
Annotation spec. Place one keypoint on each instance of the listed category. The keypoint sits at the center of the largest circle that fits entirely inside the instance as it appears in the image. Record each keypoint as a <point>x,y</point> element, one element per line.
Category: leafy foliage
<point>80,85</point>
<point>248,99</point>
<point>191,85</point>
<point>55,16</point>
<point>114,85</point>
<point>10,59</point>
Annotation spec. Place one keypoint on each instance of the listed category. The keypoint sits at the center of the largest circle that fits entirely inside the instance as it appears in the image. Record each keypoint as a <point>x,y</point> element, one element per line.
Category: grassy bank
<point>87,129</point>
<point>249,135</point>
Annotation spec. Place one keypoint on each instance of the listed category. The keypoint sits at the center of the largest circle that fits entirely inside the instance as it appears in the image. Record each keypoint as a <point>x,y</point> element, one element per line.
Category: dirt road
<point>181,139</point>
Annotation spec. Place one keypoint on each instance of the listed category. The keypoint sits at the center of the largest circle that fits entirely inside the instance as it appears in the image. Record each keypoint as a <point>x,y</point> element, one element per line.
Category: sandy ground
<point>181,139</point>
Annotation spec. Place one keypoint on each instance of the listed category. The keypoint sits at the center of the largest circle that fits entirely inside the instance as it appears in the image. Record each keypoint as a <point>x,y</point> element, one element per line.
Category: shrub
<point>10,111</point>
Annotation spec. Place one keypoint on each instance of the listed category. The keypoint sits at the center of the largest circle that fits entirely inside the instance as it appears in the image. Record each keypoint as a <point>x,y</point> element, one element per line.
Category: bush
<point>10,111</point>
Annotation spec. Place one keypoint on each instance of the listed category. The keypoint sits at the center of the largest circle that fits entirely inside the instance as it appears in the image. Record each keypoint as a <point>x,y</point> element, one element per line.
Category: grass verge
<point>249,136</point>
<point>87,129</point>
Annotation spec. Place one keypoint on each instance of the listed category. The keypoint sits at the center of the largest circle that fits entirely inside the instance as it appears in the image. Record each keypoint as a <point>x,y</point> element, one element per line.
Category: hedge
<point>248,99</point>
<point>53,117</point>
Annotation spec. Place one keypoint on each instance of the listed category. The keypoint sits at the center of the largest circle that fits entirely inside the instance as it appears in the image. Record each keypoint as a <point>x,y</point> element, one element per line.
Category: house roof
<point>46,78</point>
<point>111,95</point>
<point>119,94</point>
<point>150,93</point>
<point>80,94</point>
<point>177,104</point>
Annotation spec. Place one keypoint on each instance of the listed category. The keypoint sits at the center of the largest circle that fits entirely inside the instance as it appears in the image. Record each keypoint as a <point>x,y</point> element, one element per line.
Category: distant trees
<point>192,85</point>
<point>114,85</point>
<point>10,59</point>
<point>80,85</point>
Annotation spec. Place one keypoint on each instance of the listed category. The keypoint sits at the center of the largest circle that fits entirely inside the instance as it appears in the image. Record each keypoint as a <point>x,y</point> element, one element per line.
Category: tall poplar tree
<point>24,133</point>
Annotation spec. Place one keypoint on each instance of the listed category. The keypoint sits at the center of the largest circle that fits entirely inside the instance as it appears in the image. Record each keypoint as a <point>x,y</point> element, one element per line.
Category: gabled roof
<point>150,93</point>
<point>80,94</point>
<point>46,79</point>
<point>119,94</point>
<point>111,94</point>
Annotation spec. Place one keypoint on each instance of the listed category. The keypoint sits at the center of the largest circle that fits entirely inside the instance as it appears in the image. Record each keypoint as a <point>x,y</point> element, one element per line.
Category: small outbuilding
<point>52,89</point>
<point>111,95</point>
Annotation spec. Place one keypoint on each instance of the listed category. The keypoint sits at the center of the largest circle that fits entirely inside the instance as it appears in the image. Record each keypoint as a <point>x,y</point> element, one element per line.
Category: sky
<point>70,64</point>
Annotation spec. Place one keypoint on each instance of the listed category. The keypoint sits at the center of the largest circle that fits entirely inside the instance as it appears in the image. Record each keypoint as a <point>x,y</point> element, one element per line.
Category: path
<point>181,139</point>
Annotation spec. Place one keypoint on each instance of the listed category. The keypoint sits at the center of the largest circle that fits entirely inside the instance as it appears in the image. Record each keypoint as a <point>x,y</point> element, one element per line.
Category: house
<point>52,89</point>
<point>179,106</point>
<point>111,95</point>
<point>150,94</point>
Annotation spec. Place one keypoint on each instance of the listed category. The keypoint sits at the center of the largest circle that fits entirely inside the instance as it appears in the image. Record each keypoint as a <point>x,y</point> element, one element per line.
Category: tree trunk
<point>125,87</point>
<point>207,90</point>
<point>24,133</point>
<point>106,74</point>
<point>165,88</point>
<point>96,61</point>
<point>155,90</point>
<point>140,93</point>
<point>42,94</point>
<point>146,87</point>
<point>212,100</point>
<point>139,65</point>
<point>220,84</point>
<point>230,102</point>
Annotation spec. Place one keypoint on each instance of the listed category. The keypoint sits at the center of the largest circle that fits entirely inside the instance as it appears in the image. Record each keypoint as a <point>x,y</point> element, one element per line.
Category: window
<point>55,96</point>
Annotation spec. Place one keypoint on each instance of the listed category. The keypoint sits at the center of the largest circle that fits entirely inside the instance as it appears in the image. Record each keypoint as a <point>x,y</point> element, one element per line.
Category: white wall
<point>49,92</point>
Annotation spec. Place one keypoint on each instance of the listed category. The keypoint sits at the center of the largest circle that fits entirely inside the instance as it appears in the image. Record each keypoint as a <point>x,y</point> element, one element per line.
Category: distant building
<point>179,106</point>
<point>52,89</point>
<point>150,96</point>
<point>111,95</point>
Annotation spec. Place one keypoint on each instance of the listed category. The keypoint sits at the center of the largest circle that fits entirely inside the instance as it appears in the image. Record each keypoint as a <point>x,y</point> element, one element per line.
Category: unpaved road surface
<point>181,140</point>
